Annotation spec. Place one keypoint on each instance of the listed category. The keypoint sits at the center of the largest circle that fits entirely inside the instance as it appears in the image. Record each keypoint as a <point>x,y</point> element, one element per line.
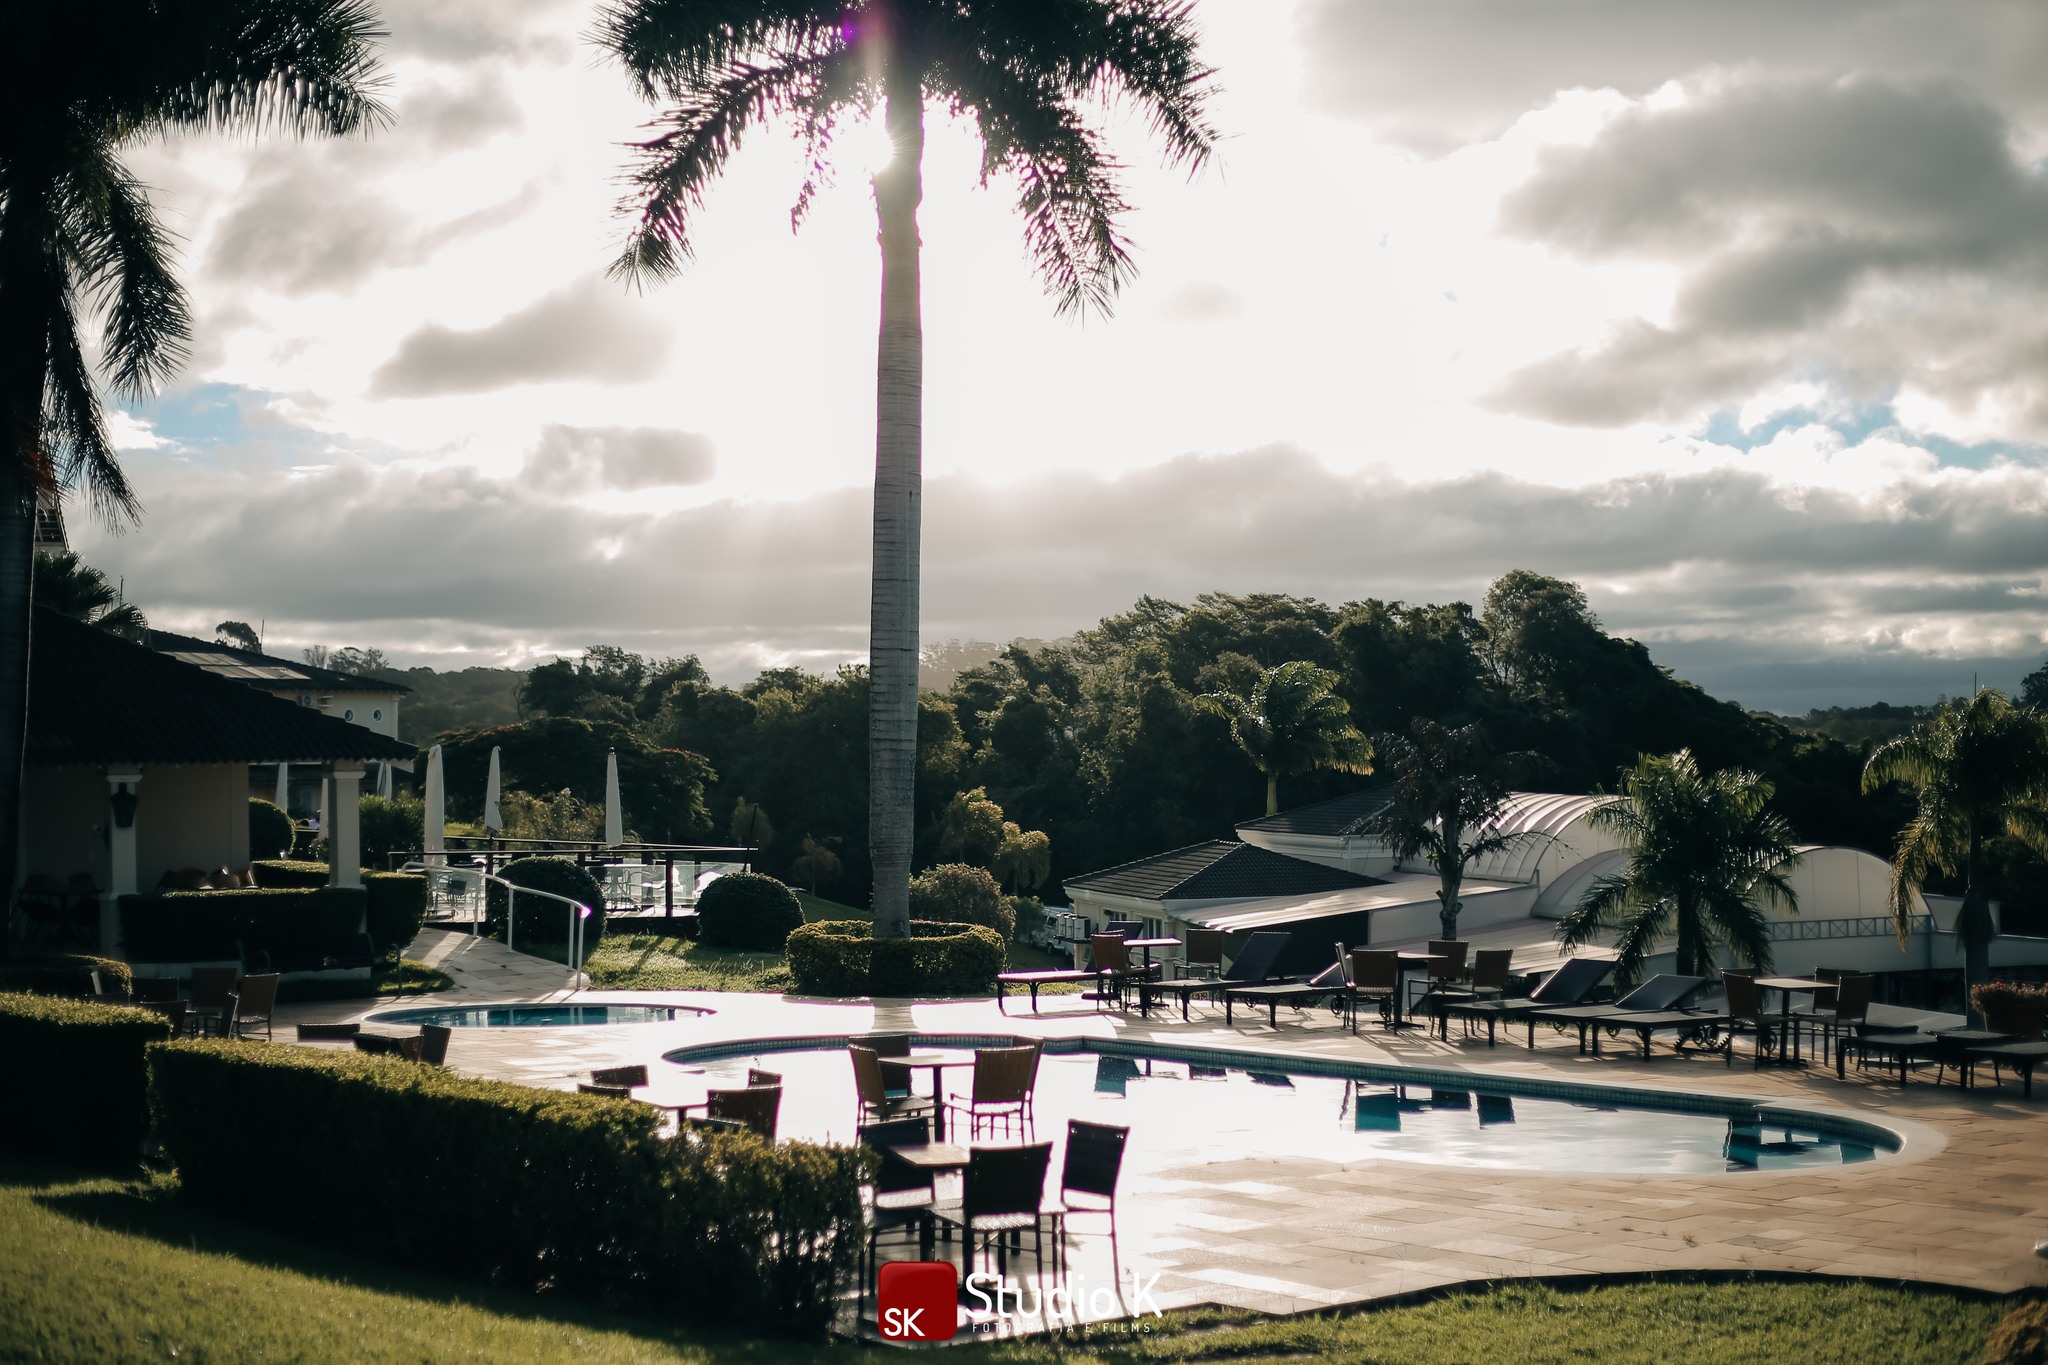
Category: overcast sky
<point>1736,314</point>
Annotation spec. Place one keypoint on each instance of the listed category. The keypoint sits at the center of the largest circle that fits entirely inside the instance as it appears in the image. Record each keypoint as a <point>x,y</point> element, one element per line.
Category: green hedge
<point>396,902</point>
<point>960,893</point>
<point>539,1190</point>
<point>65,974</point>
<point>841,957</point>
<point>205,926</point>
<point>75,1076</point>
<point>543,920</point>
<point>749,911</point>
<point>270,830</point>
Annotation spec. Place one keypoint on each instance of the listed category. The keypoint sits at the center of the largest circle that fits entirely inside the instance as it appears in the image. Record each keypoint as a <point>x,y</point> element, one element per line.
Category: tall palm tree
<point>81,80</point>
<point>1707,855</point>
<point>1977,768</point>
<point>1024,71</point>
<point>1293,722</point>
<point>66,583</point>
<point>1449,790</point>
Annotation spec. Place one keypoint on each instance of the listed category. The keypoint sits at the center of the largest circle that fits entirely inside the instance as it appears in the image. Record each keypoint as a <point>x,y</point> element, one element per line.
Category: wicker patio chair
<point>1004,1078</point>
<point>876,1100</point>
<point>259,1000</point>
<point>1003,1195</point>
<point>1088,1174</point>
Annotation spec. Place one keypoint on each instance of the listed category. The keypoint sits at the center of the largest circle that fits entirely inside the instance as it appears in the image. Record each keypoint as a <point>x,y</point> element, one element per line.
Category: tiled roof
<point>1346,815</point>
<point>95,698</point>
<point>263,670</point>
<point>1219,870</point>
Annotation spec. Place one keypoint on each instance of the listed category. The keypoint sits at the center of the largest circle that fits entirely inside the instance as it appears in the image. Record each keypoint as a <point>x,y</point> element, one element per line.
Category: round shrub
<point>390,825</point>
<point>957,893</point>
<point>270,830</point>
<point>539,919</point>
<point>842,957</point>
<point>397,907</point>
<point>747,910</point>
<point>2021,1338</point>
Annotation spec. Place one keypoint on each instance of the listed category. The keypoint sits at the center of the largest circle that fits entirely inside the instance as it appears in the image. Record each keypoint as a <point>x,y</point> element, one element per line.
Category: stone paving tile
<point>1963,1204</point>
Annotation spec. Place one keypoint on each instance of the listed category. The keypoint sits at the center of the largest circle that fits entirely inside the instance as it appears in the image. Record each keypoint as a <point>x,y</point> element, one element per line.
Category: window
<point>349,714</point>
<point>377,714</point>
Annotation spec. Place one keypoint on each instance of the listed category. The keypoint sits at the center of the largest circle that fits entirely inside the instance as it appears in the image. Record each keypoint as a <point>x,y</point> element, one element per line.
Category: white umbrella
<point>493,821</point>
<point>614,819</point>
<point>284,787</point>
<point>437,820</point>
<point>384,780</point>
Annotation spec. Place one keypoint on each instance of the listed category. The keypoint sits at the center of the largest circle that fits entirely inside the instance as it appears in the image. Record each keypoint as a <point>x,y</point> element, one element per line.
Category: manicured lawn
<point>817,908</point>
<point>98,1269</point>
<point>658,962</point>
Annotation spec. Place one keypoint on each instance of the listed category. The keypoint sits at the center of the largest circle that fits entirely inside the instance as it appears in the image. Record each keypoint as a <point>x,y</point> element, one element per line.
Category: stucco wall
<point>64,812</point>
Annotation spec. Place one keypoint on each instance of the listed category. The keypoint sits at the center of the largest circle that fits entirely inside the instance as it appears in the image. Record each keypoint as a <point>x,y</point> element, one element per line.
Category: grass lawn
<point>99,1269</point>
<point>817,908</point>
<point>407,978</point>
<point>658,962</point>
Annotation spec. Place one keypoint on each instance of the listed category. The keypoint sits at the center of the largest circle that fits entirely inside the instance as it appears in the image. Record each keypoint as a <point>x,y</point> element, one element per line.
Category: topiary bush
<point>294,927</point>
<point>747,910</point>
<point>960,893</point>
<point>77,1071</point>
<point>842,957</point>
<point>540,919</point>
<point>270,830</point>
<point>541,1191</point>
<point>393,824</point>
<point>396,903</point>
<point>288,872</point>
<point>64,974</point>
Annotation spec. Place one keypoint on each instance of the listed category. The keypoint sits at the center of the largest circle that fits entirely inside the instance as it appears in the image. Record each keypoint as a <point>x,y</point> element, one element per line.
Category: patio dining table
<point>1408,961</point>
<point>1787,987</point>
<point>936,1063</point>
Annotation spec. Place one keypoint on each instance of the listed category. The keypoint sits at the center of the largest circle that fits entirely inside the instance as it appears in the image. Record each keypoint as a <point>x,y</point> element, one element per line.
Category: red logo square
<point>918,1300</point>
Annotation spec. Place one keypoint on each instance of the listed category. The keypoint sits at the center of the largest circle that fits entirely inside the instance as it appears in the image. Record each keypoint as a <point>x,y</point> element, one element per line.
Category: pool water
<point>1178,1109</point>
<point>538,1016</point>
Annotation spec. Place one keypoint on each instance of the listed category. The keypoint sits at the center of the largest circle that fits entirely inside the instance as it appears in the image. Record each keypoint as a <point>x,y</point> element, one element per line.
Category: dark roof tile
<point>1346,815</point>
<point>263,670</point>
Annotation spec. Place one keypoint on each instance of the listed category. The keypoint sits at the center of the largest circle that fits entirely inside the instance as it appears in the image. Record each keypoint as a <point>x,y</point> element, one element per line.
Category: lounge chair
<point>1254,966</point>
<point>1103,975</point>
<point>1332,984</point>
<point>1660,995</point>
<point>1574,980</point>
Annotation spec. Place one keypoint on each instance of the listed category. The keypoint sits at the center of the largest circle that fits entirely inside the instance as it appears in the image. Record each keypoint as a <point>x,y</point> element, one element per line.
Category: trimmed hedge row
<point>842,957</point>
<point>205,926</point>
<point>396,902</point>
<point>76,1073</point>
<point>540,918</point>
<point>747,910</point>
<point>65,974</point>
<point>541,1190</point>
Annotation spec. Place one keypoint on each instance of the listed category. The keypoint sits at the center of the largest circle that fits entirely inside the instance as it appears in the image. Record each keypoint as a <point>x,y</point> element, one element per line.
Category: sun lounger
<point>1253,967</point>
<point>1660,996</point>
<point>1111,972</point>
<point>1570,984</point>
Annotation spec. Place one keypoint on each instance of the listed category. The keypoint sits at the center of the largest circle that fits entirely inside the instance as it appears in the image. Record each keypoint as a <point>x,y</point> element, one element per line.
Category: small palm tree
<point>1707,856</point>
<point>65,583</point>
<point>1024,858</point>
<point>1293,722</point>
<point>1026,72</point>
<point>1977,768</point>
<point>1449,790</point>
<point>80,81</point>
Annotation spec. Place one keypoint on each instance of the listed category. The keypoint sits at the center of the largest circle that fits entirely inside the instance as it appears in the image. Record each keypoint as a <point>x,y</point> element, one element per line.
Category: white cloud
<point>590,330</point>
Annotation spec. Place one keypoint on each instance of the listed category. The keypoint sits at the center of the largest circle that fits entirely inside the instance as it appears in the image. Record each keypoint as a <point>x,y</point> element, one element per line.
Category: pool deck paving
<point>1963,1204</point>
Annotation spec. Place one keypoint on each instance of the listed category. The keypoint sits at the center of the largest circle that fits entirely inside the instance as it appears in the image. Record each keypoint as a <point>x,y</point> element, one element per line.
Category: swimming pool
<point>1203,1105</point>
<point>538,1016</point>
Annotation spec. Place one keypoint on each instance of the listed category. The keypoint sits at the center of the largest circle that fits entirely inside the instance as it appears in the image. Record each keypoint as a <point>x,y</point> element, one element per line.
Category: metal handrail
<point>578,911</point>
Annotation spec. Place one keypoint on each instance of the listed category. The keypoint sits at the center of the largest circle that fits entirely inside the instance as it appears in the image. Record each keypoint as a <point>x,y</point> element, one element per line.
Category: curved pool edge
<point>416,1014</point>
<point>1914,1141</point>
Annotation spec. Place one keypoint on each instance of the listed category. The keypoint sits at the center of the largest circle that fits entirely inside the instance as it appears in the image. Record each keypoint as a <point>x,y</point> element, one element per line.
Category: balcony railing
<point>1860,926</point>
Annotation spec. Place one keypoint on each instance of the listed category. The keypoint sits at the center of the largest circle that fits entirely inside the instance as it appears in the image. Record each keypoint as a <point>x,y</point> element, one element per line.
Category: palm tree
<point>1024,71</point>
<point>1449,789</point>
<point>1977,768</point>
<point>1707,855</point>
<point>80,80</point>
<point>1293,722</point>
<point>67,584</point>
<point>1024,859</point>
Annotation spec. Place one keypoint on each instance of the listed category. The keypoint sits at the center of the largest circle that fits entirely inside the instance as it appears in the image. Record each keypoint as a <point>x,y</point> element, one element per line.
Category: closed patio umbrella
<point>493,821</point>
<point>384,780</point>
<point>284,787</point>
<point>435,831</point>
<point>614,817</point>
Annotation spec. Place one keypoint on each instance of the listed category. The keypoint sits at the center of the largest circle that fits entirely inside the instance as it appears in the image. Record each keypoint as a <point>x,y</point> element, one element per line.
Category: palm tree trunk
<point>24,365</point>
<point>1974,928</point>
<point>1687,956</point>
<point>1272,793</point>
<point>899,476</point>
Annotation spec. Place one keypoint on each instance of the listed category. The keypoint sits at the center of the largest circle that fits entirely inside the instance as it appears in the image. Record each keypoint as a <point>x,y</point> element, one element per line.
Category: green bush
<point>290,924</point>
<point>841,957</point>
<point>538,1190</point>
<point>2021,1336</point>
<point>76,1075</point>
<point>747,910</point>
<point>959,893</point>
<point>1030,913</point>
<point>288,872</point>
<point>65,974</point>
<point>396,903</point>
<point>539,918</point>
<point>390,825</point>
<point>270,830</point>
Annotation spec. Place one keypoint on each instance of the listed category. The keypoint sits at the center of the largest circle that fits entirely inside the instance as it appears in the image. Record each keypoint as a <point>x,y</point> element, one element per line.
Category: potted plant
<point>2011,1008</point>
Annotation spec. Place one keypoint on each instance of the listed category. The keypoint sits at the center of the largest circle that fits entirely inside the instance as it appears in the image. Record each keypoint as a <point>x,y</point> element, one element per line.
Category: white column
<point>343,825</point>
<point>122,871</point>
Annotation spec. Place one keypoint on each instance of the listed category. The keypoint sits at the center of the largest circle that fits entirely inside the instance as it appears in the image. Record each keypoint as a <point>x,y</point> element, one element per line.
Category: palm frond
<point>1638,937</point>
<point>1734,918</point>
<point>674,48</point>
<point>124,262</point>
<point>294,66</point>
<point>74,433</point>
<point>1601,907</point>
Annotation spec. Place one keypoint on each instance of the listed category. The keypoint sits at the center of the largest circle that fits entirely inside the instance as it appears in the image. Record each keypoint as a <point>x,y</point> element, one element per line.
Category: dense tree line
<point>1113,743</point>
